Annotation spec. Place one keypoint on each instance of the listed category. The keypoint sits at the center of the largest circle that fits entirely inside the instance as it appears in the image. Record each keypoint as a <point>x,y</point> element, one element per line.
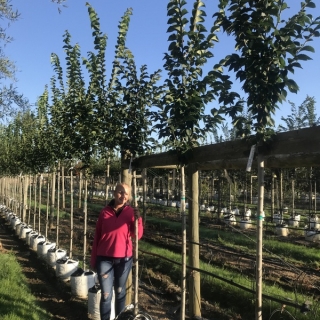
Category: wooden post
<point>194,279</point>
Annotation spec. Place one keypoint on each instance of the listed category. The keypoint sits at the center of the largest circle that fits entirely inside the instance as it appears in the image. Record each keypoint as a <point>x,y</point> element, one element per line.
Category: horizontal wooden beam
<point>298,148</point>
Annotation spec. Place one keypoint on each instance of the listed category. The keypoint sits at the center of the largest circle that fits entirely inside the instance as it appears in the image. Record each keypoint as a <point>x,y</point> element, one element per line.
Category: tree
<point>301,117</point>
<point>10,99</point>
<point>269,48</point>
<point>181,116</point>
<point>181,119</point>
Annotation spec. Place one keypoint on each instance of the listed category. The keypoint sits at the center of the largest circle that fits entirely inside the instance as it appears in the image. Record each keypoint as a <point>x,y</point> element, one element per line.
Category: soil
<point>54,295</point>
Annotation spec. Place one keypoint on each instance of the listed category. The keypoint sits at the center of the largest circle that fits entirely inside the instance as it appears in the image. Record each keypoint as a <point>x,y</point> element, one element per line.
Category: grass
<point>16,300</point>
<point>293,253</point>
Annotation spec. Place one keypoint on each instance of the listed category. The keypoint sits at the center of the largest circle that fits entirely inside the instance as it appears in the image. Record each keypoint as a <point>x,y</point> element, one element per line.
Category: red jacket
<point>113,234</point>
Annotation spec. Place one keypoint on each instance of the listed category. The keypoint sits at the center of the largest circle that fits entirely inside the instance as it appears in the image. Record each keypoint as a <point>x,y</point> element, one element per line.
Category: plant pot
<point>54,254</point>
<point>312,235</point>
<point>282,230</point>
<point>293,223</point>
<point>245,224</point>
<point>81,281</point>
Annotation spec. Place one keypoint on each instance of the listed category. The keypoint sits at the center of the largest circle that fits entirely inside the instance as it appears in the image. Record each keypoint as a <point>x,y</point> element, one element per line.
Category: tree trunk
<point>71,212</point>
<point>85,210</point>
<point>80,189</point>
<point>107,180</point>
<point>259,239</point>
<point>35,201</point>
<point>144,194</point>
<point>58,206</point>
<point>136,248</point>
<point>272,194</point>
<point>39,208</point>
<point>63,188</point>
<point>184,245</point>
<point>48,205</point>
<point>25,198</point>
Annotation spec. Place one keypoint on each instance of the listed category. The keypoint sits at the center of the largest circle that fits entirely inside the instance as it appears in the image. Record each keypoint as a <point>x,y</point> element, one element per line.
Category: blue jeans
<point>112,273</point>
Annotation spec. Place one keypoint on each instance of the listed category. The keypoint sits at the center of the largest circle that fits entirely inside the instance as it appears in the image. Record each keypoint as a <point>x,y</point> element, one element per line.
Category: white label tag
<point>249,164</point>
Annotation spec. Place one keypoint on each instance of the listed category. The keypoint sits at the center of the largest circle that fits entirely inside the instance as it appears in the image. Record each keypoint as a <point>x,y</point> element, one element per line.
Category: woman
<point>111,252</point>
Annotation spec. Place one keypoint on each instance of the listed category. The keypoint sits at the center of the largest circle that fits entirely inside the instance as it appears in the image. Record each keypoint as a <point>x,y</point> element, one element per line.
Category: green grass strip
<point>16,300</point>
<point>288,252</point>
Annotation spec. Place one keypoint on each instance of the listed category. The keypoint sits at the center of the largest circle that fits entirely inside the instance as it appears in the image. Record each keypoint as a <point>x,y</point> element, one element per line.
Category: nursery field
<point>54,296</point>
<point>291,265</point>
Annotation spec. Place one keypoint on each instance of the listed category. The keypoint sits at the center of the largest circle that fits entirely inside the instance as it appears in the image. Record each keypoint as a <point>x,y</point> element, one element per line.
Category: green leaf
<point>302,57</point>
<point>310,4</point>
<point>307,48</point>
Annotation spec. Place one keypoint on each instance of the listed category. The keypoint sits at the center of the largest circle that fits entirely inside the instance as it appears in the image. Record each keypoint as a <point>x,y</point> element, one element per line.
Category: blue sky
<point>39,32</point>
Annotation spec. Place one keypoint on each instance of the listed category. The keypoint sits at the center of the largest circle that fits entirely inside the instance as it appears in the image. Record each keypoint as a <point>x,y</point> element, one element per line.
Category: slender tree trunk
<point>25,198</point>
<point>259,239</point>
<point>153,186</point>
<point>136,246</point>
<point>63,188</point>
<point>277,192</point>
<point>174,180</point>
<point>30,199</point>
<point>35,202</point>
<point>184,245</point>
<point>272,194</point>
<point>52,200</point>
<point>71,212</point>
<point>21,197</point>
<point>107,180</point>
<point>292,186</point>
<point>144,193</point>
<point>80,189</point>
<point>315,197</point>
<point>281,191</point>
<point>48,206</point>
<point>39,208</point>
<point>85,218</point>
<point>58,204</point>
<point>310,190</point>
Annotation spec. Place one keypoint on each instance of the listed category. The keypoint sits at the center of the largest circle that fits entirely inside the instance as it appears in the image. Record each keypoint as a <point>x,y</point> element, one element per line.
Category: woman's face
<point>121,195</point>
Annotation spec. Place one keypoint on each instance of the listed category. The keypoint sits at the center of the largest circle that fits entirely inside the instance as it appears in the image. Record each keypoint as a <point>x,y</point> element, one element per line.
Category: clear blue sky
<point>39,32</point>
